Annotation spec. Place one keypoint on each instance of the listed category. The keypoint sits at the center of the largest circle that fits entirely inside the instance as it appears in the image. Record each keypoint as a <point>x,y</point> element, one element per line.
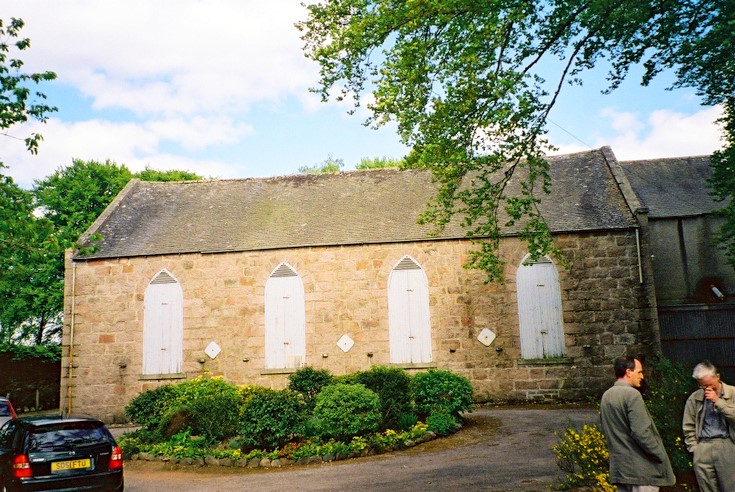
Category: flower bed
<point>185,451</point>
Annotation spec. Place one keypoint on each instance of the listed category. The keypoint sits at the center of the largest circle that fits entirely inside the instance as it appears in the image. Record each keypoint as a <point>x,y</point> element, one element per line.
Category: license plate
<point>71,465</point>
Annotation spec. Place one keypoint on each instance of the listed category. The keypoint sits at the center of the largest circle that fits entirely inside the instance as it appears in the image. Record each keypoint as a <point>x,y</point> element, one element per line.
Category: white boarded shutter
<point>163,326</point>
<point>539,310</point>
<point>408,313</point>
<point>285,319</point>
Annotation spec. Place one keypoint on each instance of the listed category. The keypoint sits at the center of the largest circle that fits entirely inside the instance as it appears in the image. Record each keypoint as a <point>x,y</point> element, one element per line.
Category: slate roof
<point>675,187</point>
<point>358,207</point>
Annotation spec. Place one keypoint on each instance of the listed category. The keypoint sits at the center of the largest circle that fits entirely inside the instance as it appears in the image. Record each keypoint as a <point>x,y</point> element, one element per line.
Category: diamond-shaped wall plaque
<point>345,343</point>
<point>486,337</point>
<point>212,350</point>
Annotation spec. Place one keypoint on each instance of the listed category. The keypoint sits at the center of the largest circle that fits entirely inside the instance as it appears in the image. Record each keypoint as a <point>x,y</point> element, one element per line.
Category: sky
<point>220,88</point>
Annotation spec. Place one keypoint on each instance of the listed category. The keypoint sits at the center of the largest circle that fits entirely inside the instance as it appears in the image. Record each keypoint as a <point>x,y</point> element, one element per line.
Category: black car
<point>56,453</point>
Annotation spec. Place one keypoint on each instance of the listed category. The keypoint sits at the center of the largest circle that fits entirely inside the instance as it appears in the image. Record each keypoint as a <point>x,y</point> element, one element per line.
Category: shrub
<point>214,417</point>
<point>442,423</point>
<point>247,391</point>
<point>393,387</point>
<point>271,418</point>
<point>129,445</point>
<point>406,421</point>
<point>148,407</point>
<point>668,385</point>
<point>208,406</point>
<point>172,422</point>
<point>583,456</point>
<point>346,410</point>
<point>350,378</point>
<point>309,382</point>
<point>441,391</point>
<point>205,386</point>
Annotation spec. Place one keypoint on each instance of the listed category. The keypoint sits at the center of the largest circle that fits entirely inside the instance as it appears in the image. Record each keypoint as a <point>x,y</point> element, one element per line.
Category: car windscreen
<point>66,436</point>
<point>5,409</point>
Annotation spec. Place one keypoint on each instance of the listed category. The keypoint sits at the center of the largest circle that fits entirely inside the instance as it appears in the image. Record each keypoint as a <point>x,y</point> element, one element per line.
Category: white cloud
<point>170,83</point>
<point>661,133</point>
<point>199,132</point>
<point>169,57</point>
<point>134,144</point>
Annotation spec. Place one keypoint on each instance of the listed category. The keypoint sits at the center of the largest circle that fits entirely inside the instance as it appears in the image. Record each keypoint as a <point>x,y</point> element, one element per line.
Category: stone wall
<point>606,310</point>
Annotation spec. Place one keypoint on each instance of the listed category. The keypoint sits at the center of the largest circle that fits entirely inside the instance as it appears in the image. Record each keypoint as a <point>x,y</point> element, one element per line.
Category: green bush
<point>214,417</point>
<point>346,410</point>
<point>309,382</point>
<point>247,391</point>
<point>441,391</point>
<point>668,385</point>
<point>442,423</point>
<point>205,387</point>
<point>207,406</point>
<point>213,406</point>
<point>583,456</point>
<point>350,378</point>
<point>148,407</point>
<point>406,421</point>
<point>271,418</point>
<point>393,387</point>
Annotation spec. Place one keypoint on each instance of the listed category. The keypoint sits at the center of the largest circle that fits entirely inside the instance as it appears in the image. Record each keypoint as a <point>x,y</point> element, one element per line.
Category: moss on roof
<point>358,207</point>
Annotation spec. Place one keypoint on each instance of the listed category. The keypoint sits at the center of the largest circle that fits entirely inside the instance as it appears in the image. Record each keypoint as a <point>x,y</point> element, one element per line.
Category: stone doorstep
<point>276,463</point>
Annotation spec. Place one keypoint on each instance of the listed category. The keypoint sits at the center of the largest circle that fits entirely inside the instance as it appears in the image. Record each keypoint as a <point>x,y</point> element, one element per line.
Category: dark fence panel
<point>28,381</point>
<point>692,333</point>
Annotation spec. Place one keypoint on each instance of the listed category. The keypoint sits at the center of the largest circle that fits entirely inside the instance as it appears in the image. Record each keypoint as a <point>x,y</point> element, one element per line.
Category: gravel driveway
<point>503,448</point>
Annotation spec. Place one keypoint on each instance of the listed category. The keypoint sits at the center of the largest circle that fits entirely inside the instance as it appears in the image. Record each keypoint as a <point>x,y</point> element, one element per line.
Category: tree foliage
<point>74,196</point>
<point>18,103</point>
<point>380,163</point>
<point>149,174</point>
<point>463,82</point>
<point>328,165</point>
<point>38,226</point>
<point>23,241</point>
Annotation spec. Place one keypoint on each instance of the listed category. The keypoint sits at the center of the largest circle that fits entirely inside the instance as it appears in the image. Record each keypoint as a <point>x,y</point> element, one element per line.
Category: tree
<point>462,80</point>
<point>329,165</point>
<point>16,105</point>
<point>20,236</point>
<point>74,196</point>
<point>149,174</point>
<point>37,228</point>
<point>380,163</point>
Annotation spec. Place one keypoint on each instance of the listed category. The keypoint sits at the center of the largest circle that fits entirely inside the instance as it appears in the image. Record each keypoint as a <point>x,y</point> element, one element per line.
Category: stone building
<point>695,285</point>
<point>251,279</point>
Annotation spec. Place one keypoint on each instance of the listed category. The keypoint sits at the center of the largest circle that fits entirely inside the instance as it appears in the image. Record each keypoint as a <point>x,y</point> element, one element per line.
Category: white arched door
<point>539,310</point>
<point>408,313</point>
<point>163,326</point>
<point>285,319</point>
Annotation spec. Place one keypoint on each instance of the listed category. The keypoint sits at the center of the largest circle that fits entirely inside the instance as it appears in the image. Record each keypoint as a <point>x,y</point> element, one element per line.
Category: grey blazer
<point>637,454</point>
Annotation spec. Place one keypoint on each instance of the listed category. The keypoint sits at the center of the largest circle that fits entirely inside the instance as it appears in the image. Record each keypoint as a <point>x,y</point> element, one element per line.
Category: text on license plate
<point>70,465</point>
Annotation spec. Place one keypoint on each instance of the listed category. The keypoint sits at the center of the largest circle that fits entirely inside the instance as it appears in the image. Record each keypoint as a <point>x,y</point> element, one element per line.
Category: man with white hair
<point>709,430</point>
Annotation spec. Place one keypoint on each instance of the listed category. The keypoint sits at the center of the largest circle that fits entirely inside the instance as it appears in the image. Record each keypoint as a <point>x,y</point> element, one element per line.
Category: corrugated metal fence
<point>692,333</point>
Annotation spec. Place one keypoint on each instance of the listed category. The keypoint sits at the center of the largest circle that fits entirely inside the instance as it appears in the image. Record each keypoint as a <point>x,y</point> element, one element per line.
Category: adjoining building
<point>694,282</point>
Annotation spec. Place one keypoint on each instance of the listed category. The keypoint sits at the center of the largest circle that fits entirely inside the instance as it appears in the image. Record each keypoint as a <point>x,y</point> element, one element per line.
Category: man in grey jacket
<point>638,460</point>
<point>709,430</point>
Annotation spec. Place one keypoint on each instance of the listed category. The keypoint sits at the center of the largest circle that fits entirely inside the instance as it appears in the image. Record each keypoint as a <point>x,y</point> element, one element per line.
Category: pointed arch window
<point>539,309</point>
<point>285,319</point>
<point>163,325</point>
<point>408,313</point>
